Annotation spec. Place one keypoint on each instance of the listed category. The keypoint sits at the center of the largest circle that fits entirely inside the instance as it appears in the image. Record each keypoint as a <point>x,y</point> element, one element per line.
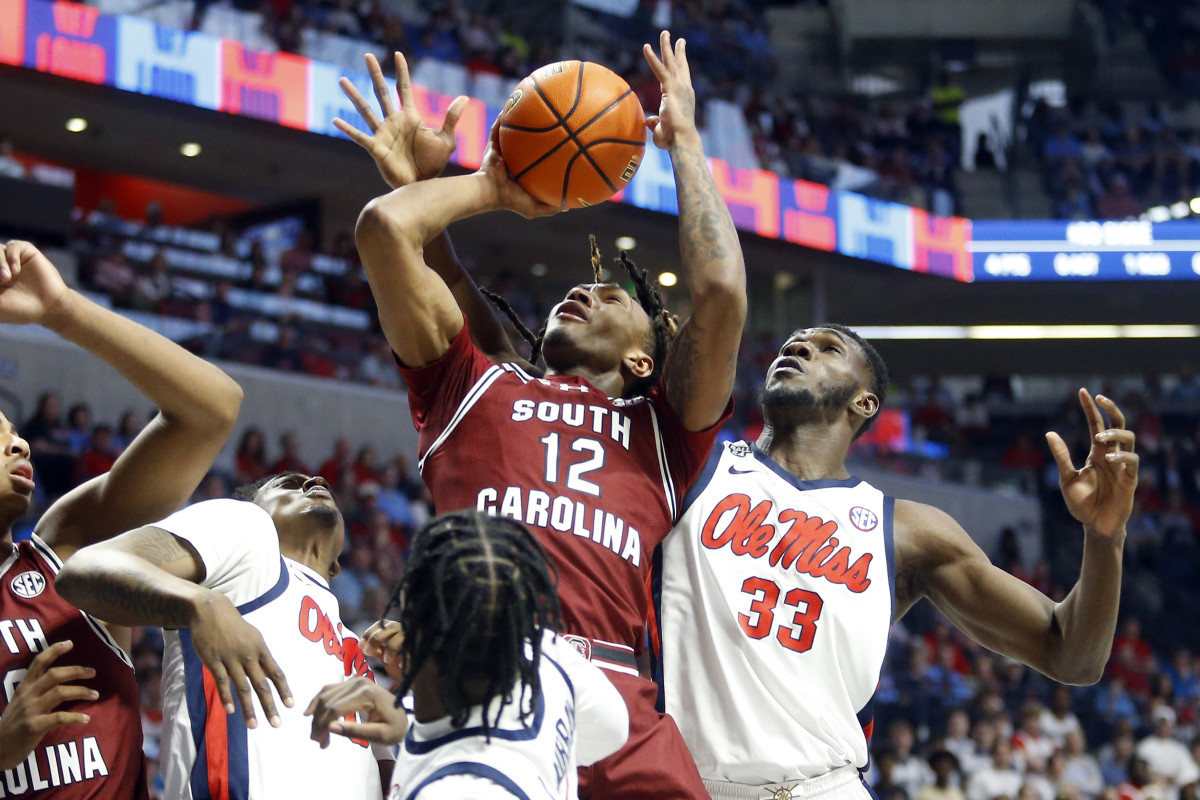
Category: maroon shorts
<point>654,763</point>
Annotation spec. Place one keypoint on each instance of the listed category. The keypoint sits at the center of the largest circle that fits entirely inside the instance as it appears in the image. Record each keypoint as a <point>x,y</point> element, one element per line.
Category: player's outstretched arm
<point>198,405</point>
<point>1068,641</point>
<point>416,308</point>
<point>699,372</point>
<point>404,150</point>
<point>149,577</point>
<point>31,711</point>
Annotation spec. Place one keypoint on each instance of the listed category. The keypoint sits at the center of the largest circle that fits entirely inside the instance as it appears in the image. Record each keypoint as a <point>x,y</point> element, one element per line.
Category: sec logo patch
<point>863,518</point>
<point>28,584</point>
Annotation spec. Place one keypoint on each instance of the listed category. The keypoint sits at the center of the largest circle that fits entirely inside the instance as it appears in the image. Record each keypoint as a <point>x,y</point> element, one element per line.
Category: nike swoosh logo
<point>736,471</point>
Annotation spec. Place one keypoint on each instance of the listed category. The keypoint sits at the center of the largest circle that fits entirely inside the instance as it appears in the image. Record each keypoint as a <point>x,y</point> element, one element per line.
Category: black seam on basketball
<point>544,156</point>
<point>527,129</point>
<point>595,142</point>
<point>604,111</point>
<point>571,166</point>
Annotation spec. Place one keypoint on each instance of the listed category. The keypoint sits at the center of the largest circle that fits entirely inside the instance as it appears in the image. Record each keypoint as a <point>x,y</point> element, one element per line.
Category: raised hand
<point>30,286</point>
<point>1100,493</point>
<point>510,194</point>
<point>677,110</point>
<point>386,724</point>
<point>30,714</point>
<point>234,652</point>
<point>404,149</point>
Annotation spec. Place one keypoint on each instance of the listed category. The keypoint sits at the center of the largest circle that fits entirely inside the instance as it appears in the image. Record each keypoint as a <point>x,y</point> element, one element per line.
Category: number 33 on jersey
<point>772,588</point>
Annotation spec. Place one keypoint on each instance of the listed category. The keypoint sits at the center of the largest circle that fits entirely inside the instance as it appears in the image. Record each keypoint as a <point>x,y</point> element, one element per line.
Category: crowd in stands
<point>1113,161</point>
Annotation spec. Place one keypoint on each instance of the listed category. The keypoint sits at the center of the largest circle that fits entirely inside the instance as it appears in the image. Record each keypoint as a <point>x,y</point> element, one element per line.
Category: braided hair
<point>663,324</point>
<point>476,595</point>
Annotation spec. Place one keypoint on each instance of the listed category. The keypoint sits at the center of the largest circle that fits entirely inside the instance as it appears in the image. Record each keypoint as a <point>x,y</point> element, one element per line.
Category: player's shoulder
<point>222,518</point>
<point>928,536</point>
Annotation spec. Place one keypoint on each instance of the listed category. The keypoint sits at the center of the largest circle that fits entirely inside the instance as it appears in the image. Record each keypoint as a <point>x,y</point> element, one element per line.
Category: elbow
<point>225,403</point>
<point>385,220</point>
<point>1073,670</point>
<point>70,581</point>
<point>726,298</point>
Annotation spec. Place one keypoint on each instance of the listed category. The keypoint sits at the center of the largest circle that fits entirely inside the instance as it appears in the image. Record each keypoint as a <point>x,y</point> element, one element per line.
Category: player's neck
<point>810,452</point>
<point>611,383</point>
<point>310,548</point>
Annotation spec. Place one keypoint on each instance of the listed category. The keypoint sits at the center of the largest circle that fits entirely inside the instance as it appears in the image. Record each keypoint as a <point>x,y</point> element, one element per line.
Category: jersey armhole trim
<point>705,478</point>
<point>272,593</point>
<point>472,768</point>
<point>102,633</point>
<point>482,385</point>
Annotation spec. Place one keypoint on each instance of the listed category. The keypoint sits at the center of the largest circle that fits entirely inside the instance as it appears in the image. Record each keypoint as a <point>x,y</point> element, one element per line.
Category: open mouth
<point>790,363</point>
<point>318,491</point>
<point>573,309</point>
<point>23,469</point>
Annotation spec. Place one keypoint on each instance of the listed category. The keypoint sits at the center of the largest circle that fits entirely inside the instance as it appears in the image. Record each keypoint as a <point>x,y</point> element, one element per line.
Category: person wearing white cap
<point>1167,757</point>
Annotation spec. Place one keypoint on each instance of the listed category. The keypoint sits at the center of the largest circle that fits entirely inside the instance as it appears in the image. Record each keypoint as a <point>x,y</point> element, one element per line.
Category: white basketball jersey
<point>775,606</point>
<point>206,754</point>
<point>578,718</point>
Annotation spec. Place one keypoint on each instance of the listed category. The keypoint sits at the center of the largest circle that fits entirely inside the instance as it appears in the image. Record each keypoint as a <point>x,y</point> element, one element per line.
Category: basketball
<point>572,133</point>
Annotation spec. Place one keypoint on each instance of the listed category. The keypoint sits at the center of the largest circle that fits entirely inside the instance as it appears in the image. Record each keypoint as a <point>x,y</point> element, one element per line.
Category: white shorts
<point>843,783</point>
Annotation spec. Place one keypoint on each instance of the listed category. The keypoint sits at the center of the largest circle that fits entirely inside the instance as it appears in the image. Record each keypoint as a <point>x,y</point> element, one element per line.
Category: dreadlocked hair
<point>476,595</point>
<point>879,371</point>
<point>663,324</point>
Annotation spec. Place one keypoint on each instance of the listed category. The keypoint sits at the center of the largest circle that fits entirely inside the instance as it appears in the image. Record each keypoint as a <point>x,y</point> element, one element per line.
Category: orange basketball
<point>572,133</point>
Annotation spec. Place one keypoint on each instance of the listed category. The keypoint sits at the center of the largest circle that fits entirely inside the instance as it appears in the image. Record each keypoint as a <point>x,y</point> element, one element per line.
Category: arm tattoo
<point>705,228</point>
<point>139,595</point>
<point>157,546</point>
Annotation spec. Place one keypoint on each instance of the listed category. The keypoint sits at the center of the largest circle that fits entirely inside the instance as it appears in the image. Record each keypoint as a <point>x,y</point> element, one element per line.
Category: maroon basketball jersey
<point>102,759</point>
<point>597,479</point>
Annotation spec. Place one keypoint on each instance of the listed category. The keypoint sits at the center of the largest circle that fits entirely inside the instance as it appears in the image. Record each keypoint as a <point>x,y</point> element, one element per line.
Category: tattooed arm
<point>151,577</point>
<point>700,367</point>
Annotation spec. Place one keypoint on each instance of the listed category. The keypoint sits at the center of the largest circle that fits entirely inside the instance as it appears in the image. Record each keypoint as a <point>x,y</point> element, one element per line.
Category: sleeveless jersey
<point>578,718</point>
<point>776,600</point>
<point>597,479</point>
<point>102,759</point>
<point>206,754</point>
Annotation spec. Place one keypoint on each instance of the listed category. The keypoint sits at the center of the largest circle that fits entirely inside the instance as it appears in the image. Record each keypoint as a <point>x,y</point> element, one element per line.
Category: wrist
<point>687,140</point>
<point>1095,537</point>
<point>204,604</point>
<point>63,312</point>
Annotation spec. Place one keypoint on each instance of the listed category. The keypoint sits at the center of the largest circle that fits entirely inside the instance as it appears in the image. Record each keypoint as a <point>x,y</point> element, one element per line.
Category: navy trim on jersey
<point>889,545</point>
<point>562,672</point>
<point>820,483</point>
<point>705,477</point>
<point>525,734</point>
<point>279,588</point>
<point>472,768</point>
<point>236,734</point>
<point>46,551</point>
<point>193,678</point>
<point>656,657</point>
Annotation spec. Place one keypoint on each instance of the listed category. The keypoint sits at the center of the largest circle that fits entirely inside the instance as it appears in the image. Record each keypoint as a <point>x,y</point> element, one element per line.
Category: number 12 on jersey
<point>576,471</point>
<point>798,636</point>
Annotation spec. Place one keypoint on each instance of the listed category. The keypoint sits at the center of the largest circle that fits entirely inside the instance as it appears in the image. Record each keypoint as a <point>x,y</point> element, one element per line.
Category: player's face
<point>820,359</point>
<point>597,320</point>
<point>817,373</point>
<point>295,495</point>
<point>16,478</point>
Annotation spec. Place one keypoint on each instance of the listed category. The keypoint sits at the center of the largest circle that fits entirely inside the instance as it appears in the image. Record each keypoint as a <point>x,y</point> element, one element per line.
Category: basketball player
<point>261,564</point>
<point>785,573</point>
<point>69,720</point>
<point>504,706</point>
<point>595,456</point>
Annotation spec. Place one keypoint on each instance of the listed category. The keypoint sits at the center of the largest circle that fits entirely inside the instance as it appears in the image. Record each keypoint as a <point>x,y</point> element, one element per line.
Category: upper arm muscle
<point>994,608</point>
<point>702,363</point>
<point>161,548</point>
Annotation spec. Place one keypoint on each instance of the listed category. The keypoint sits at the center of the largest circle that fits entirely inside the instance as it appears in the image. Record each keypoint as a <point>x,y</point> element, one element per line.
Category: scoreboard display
<point>1037,250</point>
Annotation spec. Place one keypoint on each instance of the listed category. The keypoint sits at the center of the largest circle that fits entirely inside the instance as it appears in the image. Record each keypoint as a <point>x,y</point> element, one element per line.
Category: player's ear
<point>638,364</point>
<point>865,404</point>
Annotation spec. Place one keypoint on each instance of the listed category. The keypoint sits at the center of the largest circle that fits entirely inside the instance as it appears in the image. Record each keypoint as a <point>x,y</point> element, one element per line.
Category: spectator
<point>1168,759</point>
<point>1081,769</point>
<point>99,457</point>
<point>911,772</point>
<point>1029,740</point>
<point>946,778</point>
<point>79,428</point>
<point>150,291</point>
<point>129,427</point>
<point>355,578</point>
<point>999,779</point>
<point>1058,720</point>
<point>289,459</point>
<point>50,442</point>
<point>340,460</point>
<point>250,463</point>
<point>1118,201</point>
<point>10,167</point>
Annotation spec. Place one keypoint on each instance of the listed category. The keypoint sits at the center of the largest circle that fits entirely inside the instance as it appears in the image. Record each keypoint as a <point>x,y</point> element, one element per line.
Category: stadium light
<point>77,124</point>
<point>189,149</point>
<point>667,278</point>
<point>626,243</point>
